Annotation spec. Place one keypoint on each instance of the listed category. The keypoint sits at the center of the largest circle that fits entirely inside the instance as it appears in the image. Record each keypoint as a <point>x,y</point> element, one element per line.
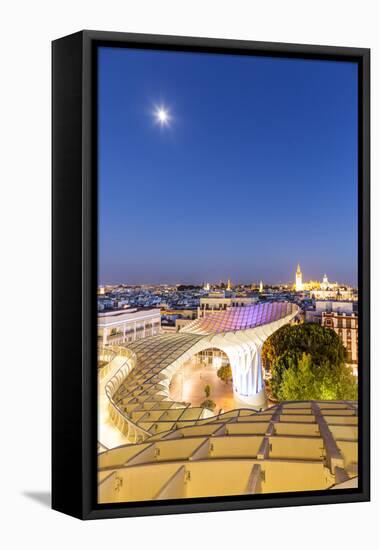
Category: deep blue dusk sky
<point>257,170</point>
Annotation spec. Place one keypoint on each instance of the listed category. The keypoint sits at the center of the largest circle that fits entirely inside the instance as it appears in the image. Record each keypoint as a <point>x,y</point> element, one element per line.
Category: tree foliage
<point>208,404</point>
<point>307,350</point>
<point>225,373</point>
<point>306,381</point>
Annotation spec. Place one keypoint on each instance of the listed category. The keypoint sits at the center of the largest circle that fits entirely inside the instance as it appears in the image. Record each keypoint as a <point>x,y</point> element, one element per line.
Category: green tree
<point>285,348</point>
<point>207,390</point>
<point>208,404</point>
<point>298,381</point>
<point>305,380</point>
<point>225,373</point>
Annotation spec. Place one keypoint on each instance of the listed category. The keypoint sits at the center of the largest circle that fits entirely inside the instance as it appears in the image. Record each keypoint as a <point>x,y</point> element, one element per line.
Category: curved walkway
<point>139,401</point>
<point>108,435</point>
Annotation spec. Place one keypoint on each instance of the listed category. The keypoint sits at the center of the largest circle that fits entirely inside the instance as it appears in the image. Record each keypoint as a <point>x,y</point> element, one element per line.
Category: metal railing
<point>123,423</point>
<point>105,354</point>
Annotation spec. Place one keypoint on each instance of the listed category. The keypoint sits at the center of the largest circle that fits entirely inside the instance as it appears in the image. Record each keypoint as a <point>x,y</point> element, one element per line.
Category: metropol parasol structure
<point>153,447</point>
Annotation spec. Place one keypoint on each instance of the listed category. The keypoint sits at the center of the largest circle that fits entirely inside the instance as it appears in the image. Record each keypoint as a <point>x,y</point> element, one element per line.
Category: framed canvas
<point>210,275</point>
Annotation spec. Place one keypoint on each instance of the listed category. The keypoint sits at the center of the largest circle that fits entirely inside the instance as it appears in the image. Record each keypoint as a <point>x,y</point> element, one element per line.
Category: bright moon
<point>162,116</point>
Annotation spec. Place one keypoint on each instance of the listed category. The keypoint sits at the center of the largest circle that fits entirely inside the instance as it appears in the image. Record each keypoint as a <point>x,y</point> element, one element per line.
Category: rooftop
<point>116,316</point>
<point>239,452</point>
<point>241,318</point>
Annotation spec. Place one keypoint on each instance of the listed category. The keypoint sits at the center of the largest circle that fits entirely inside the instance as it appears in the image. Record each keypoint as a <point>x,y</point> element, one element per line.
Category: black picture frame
<point>74,273</point>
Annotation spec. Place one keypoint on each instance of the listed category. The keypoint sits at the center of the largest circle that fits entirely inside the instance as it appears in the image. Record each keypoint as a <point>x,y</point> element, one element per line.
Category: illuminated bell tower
<point>299,279</point>
<point>229,287</point>
<point>261,286</point>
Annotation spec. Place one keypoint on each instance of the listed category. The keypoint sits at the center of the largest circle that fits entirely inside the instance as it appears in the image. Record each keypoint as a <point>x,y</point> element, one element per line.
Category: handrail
<point>109,355</point>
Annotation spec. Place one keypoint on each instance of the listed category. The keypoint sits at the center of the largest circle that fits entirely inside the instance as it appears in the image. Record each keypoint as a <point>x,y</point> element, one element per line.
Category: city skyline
<point>188,195</point>
<point>224,280</point>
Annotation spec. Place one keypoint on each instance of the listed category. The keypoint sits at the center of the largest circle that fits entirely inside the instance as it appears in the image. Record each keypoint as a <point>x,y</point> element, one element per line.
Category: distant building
<point>324,290</point>
<point>124,326</point>
<point>325,283</point>
<point>219,301</point>
<point>340,317</point>
<point>346,326</point>
<point>311,285</point>
<point>104,303</point>
<point>298,279</point>
<point>314,315</point>
<point>174,319</point>
<point>261,286</point>
<point>335,293</point>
